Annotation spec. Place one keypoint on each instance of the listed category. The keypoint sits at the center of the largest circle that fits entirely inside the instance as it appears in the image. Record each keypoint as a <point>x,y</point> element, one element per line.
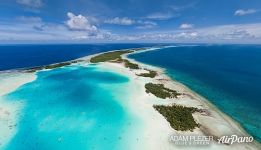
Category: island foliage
<point>58,65</point>
<point>179,117</point>
<point>115,56</point>
<point>160,91</point>
<point>130,65</point>
<point>51,66</point>
<point>109,56</point>
<point>150,74</point>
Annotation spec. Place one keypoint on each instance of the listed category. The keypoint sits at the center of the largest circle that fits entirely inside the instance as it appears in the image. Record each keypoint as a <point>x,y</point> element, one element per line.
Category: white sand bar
<point>9,111</point>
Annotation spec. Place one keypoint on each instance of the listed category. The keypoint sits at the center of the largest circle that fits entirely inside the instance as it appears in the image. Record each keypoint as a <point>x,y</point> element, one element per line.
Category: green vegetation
<point>52,66</point>
<point>109,56</point>
<point>34,69</point>
<point>57,65</point>
<point>115,57</point>
<point>118,60</point>
<point>126,62</point>
<point>151,74</point>
<point>179,117</point>
<point>160,91</point>
<point>130,65</point>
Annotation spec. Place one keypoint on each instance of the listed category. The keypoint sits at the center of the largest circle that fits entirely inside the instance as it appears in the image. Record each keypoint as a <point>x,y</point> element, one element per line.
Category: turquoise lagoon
<point>75,107</point>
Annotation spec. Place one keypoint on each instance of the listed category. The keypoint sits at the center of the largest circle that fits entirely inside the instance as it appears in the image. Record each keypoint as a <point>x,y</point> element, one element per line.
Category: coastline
<point>157,128</point>
<point>190,100</point>
<point>9,111</point>
<point>191,93</point>
<point>174,84</point>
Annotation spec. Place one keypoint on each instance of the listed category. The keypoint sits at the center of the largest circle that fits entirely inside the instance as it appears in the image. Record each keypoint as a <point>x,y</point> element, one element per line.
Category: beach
<point>157,130</point>
<point>214,122</point>
<point>9,111</point>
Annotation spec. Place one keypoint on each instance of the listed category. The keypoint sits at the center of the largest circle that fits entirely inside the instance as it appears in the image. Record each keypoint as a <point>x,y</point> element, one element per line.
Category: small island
<point>150,74</point>
<point>160,91</point>
<point>179,117</point>
<point>52,66</point>
<point>130,65</point>
<point>115,56</point>
<point>109,56</point>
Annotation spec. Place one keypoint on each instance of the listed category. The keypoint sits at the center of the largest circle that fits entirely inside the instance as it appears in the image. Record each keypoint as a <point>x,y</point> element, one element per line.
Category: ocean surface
<point>227,75</point>
<point>75,107</point>
<point>27,55</point>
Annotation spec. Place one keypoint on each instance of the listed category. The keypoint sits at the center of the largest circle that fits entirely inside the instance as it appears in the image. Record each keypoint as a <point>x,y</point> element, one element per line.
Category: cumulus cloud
<point>79,22</point>
<point>242,12</point>
<point>30,3</point>
<point>186,26</point>
<point>120,21</point>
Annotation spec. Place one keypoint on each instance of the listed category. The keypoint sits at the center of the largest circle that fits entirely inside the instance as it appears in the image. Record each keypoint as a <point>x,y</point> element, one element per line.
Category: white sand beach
<point>9,111</point>
<point>157,131</point>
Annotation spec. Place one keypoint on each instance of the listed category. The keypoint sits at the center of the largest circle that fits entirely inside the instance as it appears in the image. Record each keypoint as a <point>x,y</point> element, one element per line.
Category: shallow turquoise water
<point>74,108</point>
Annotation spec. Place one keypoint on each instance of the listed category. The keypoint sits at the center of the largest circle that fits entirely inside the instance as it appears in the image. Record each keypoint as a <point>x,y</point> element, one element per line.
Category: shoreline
<point>9,111</point>
<point>186,88</point>
<point>201,98</point>
<point>191,99</point>
<point>151,100</point>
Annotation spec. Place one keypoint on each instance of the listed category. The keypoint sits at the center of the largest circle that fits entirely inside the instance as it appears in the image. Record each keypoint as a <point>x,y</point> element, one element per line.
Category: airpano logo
<point>206,140</point>
<point>235,139</point>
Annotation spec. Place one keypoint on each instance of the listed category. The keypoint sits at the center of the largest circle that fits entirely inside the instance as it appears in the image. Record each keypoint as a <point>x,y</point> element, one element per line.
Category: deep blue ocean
<point>26,55</point>
<point>227,75</point>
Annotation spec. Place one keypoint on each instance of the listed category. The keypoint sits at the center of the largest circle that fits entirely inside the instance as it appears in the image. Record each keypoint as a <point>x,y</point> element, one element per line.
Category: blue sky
<point>87,21</point>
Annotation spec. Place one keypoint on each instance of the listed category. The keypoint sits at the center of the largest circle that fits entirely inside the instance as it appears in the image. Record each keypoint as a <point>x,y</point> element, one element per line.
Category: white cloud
<point>120,21</point>
<point>186,26</point>
<point>146,24</point>
<point>46,32</point>
<point>25,28</point>
<point>140,24</point>
<point>34,22</point>
<point>233,33</point>
<point>159,16</point>
<point>237,33</point>
<point>35,29</point>
<point>79,23</point>
<point>179,8</point>
<point>30,3</point>
<point>241,12</point>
